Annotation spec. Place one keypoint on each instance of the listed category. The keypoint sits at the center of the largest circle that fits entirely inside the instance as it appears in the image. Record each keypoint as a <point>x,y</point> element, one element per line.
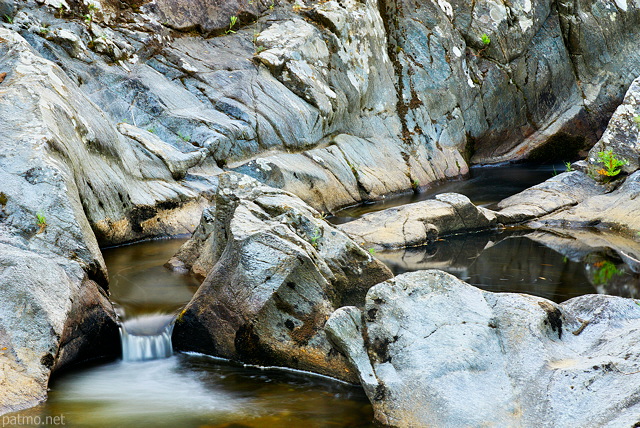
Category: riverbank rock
<point>53,280</point>
<point>277,273</point>
<point>622,135</point>
<point>557,193</point>
<point>419,223</point>
<point>433,351</point>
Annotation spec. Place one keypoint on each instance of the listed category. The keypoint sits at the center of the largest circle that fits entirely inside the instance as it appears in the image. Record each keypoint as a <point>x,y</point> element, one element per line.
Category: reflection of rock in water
<point>508,262</point>
<point>610,261</point>
<point>610,276</point>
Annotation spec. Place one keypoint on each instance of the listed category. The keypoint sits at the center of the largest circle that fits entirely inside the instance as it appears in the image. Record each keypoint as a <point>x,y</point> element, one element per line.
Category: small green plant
<point>152,130</point>
<point>316,236</point>
<point>232,22</point>
<point>636,119</point>
<point>611,163</point>
<point>485,39</point>
<point>568,166</point>
<point>185,138</point>
<point>8,19</point>
<point>41,221</point>
<point>88,18</point>
<point>415,185</point>
<point>372,251</point>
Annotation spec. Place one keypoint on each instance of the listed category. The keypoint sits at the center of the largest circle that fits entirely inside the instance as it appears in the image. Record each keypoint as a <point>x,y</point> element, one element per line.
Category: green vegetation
<point>372,251</point>
<point>485,39</point>
<point>152,130</point>
<point>41,221</point>
<point>232,22</point>
<point>636,119</point>
<point>8,19</point>
<point>316,236</point>
<point>185,138</point>
<point>568,166</point>
<point>611,163</point>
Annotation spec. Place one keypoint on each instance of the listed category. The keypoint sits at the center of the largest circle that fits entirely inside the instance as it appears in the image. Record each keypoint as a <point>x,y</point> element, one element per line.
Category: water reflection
<point>538,263</point>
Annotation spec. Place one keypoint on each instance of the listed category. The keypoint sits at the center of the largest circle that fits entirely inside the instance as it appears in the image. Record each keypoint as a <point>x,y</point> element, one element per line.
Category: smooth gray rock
<point>557,193</point>
<point>445,353</point>
<point>419,223</point>
<point>615,211</point>
<point>276,273</point>
<point>122,184</point>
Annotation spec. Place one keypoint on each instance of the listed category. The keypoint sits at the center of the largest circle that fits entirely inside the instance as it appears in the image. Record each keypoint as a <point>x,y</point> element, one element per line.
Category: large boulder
<point>121,177</point>
<point>617,211</point>
<point>277,272</point>
<point>550,73</point>
<point>431,350</point>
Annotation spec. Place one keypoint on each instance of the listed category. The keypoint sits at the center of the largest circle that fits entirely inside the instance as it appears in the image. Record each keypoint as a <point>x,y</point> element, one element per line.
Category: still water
<point>504,262</point>
<point>187,390</point>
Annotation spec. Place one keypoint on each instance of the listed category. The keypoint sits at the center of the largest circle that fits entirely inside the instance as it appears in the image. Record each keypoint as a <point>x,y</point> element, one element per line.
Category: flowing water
<point>151,387</point>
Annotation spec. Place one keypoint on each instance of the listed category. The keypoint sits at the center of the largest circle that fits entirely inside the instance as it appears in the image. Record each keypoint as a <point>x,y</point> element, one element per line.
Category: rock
<point>419,223</point>
<point>454,88</point>
<point>277,272</point>
<point>208,17</point>
<point>125,187</point>
<point>91,329</point>
<point>53,279</point>
<point>621,135</point>
<point>614,211</point>
<point>47,305</point>
<point>7,8</point>
<point>559,192</point>
<point>350,170</point>
<point>444,353</point>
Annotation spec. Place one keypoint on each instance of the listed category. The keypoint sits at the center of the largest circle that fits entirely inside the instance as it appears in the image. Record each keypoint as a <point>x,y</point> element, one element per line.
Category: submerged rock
<point>433,351</point>
<point>276,273</point>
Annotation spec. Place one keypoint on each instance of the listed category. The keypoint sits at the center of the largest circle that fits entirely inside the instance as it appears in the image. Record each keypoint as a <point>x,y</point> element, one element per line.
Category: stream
<point>152,387</point>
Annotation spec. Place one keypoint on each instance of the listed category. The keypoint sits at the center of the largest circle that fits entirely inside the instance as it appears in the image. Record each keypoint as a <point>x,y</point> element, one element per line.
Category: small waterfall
<point>147,337</point>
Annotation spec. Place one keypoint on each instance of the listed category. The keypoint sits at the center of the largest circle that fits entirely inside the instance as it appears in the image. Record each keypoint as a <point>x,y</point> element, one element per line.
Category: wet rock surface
<point>432,348</point>
<point>277,273</point>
